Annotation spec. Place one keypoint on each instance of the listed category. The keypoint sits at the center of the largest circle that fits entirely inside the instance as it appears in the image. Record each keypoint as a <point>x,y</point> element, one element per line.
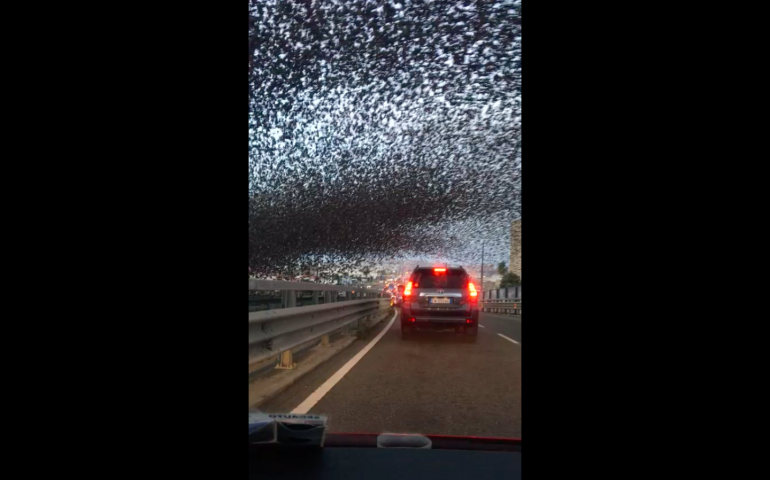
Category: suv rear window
<point>452,278</point>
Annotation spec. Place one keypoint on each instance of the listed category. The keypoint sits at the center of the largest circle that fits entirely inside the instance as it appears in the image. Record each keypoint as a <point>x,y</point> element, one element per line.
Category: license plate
<point>440,300</point>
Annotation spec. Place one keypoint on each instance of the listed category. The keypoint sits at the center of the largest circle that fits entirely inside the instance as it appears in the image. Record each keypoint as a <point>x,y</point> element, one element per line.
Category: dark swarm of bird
<point>381,130</point>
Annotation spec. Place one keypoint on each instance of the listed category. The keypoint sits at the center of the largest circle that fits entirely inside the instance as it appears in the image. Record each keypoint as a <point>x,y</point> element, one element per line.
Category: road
<point>432,383</point>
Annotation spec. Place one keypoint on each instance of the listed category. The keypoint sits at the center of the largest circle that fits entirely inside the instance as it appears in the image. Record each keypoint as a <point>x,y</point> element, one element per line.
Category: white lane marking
<point>482,326</point>
<point>509,339</point>
<point>316,396</point>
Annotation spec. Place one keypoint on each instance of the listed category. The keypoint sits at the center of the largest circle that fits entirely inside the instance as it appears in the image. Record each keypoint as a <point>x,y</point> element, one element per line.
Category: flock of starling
<point>382,130</point>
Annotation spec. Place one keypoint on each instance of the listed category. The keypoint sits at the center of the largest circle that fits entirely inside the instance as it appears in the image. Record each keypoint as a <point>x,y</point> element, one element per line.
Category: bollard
<point>286,361</point>
<point>325,341</point>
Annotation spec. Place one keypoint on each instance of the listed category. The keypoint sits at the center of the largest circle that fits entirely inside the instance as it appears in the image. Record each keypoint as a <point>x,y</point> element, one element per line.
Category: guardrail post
<point>315,297</point>
<point>325,341</point>
<point>346,330</point>
<point>291,298</point>
<point>286,361</point>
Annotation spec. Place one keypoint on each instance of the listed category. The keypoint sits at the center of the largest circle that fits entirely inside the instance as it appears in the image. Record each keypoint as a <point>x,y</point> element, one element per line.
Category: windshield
<point>416,105</point>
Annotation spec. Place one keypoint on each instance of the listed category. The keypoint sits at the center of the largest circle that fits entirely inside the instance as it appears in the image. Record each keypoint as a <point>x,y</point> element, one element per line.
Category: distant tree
<point>502,269</point>
<point>510,279</point>
<point>366,271</point>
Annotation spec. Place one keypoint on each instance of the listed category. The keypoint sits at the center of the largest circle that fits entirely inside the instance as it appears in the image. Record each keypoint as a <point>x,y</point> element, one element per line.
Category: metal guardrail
<point>332,293</point>
<point>501,305</point>
<point>509,293</point>
<point>276,332</point>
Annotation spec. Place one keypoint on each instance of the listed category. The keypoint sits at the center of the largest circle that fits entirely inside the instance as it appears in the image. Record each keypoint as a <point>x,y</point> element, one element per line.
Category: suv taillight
<point>473,293</point>
<point>408,289</point>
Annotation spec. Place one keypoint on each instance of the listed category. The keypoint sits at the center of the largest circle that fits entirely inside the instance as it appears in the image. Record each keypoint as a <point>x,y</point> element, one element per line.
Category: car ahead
<point>440,298</point>
<point>400,295</point>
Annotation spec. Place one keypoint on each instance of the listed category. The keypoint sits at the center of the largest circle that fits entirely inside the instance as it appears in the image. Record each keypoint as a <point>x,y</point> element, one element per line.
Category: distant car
<point>440,298</point>
<point>399,295</point>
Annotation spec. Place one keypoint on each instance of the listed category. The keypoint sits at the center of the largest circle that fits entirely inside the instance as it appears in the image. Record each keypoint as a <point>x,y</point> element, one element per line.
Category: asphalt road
<point>432,383</point>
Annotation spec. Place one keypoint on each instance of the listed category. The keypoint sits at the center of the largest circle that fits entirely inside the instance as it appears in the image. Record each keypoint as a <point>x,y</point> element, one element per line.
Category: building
<point>515,262</point>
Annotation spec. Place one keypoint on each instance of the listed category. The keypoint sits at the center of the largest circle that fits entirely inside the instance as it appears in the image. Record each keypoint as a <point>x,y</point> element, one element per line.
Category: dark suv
<point>440,298</point>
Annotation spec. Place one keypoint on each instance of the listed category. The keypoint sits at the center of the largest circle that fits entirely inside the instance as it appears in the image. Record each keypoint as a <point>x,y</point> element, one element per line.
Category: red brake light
<point>408,289</point>
<point>439,270</point>
<point>472,288</point>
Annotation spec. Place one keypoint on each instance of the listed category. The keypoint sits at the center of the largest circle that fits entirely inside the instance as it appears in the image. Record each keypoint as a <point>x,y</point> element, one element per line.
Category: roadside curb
<point>504,315</point>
